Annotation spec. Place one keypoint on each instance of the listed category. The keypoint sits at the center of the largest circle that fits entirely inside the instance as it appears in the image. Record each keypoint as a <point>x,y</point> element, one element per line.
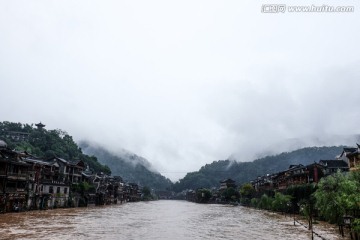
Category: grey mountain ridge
<point>129,166</point>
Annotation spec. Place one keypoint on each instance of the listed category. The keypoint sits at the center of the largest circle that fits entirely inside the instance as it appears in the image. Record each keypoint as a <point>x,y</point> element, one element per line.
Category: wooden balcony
<point>17,176</point>
<point>14,190</point>
<point>54,182</point>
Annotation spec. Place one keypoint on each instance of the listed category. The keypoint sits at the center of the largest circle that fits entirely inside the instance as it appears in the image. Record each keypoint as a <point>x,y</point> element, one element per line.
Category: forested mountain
<point>129,166</point>
<point>210,174</point>
<point>46,143</point>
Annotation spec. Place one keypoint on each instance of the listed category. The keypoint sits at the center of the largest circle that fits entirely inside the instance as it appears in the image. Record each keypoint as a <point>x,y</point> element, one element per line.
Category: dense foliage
<point>46,144</point>
<point>147,195</point>
<point>337,194</point>
<point>280,202</point>
<point>210,174</point>
<point>203,195</point>
<point>247,192</point>
<point>129,166</point>
<point>230,195</point>
<point>332,198</point>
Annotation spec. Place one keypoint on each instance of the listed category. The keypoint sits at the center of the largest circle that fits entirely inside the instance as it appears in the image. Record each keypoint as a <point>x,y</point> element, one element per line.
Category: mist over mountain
<point>129,166</point>
<point>277,157</point>
<point>292,144</point>
<point>211,174</point>
<point>44,143</point>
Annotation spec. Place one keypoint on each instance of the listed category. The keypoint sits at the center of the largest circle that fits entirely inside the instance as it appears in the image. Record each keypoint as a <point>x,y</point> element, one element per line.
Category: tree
<point>254,202</point>
<point>246,193</point>
<point>246,190</point>
<point>336,194</point>
<point>146,194</point>
<point>307,209</point>
<point>281,202</point>
<point>230,194</point>
<point>265,202</point>
<point>203,195</point>
<point>47,144</point>
<point>243,172</point>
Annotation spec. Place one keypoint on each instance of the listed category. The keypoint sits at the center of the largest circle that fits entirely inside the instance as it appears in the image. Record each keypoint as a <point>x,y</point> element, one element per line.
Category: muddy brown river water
<point>156,220</point>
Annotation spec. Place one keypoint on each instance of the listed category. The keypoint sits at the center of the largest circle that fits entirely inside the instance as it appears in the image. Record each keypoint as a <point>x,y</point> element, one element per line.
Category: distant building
<point>17,136</point>
<point>332,166</point>
<point>265,182</point>
<point>14,175</point>
<point>294,175</point>
<point>227,183</point>
<point>3,144</point>
<point>165,194</point>
<point>352,157</point>
<point>40,125</point>
<point>28,182</point>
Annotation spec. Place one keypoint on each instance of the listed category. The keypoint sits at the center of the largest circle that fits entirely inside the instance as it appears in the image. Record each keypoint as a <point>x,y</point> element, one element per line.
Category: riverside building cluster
<point>29,183</point>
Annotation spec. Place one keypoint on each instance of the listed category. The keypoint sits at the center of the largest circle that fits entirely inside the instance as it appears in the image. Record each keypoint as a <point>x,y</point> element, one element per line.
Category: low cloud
<point>181,84</point>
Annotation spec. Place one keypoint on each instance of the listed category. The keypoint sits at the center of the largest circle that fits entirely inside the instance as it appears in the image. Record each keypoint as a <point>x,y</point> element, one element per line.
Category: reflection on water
<point>155,220</point>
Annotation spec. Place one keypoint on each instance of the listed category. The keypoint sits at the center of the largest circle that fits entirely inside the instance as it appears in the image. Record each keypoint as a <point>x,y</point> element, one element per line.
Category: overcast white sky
<point>181,83</point>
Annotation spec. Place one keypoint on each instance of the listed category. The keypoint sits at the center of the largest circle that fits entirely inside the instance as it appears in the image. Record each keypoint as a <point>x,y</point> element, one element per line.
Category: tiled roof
<point>3,144</point>
<point>227,181</point>
<point>350,150</point>
<point>295,166</point>
<point>334,163</point>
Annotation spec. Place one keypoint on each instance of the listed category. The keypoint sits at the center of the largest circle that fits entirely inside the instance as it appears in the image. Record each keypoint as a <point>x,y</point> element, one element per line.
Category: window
<point>58,190</point>
<point>65,190</point>
<point>51,189</point>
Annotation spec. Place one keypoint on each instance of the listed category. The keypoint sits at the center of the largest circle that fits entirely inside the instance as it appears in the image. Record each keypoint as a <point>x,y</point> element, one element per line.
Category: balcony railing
<point>76,174</point>
<point>19,176</point>
<point>46,181</point>
<point>14,190</point>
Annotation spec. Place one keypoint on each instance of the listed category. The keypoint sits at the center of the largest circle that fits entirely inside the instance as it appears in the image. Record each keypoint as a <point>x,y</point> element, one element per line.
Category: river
<point>156,220</point>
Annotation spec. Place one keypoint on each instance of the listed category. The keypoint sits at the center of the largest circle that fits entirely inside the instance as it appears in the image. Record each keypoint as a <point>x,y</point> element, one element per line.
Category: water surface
<point>156,220</point>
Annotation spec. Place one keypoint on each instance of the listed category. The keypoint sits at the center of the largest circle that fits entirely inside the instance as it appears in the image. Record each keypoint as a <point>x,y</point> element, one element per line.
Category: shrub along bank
<point>333,199</point>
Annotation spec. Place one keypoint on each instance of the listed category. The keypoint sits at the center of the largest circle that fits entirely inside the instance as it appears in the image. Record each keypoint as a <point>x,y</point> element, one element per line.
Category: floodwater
<point>156,220</point>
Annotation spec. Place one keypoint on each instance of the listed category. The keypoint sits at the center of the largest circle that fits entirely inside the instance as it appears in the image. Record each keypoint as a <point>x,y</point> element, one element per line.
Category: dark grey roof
<point>3,144</point>
<point>229,180</point>
<point>334,163</point>
<point>352,149</point>
<point>40,124</point>
<point>87,174</point>
<point>293,166</point>
<point>38,161</point>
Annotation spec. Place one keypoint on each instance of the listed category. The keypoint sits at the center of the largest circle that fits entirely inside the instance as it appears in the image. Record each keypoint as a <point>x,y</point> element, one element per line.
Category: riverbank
<point>321,229</point>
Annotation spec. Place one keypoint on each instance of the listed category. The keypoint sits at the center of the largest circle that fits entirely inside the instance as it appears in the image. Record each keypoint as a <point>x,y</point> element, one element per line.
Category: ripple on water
<point>155,220</point>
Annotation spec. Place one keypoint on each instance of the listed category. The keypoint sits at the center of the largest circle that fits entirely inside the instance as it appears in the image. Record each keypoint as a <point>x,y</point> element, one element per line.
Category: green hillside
<point>46,144</point>
<point>129,166</point>
<point>49,143</point>
<point>210,174</point>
